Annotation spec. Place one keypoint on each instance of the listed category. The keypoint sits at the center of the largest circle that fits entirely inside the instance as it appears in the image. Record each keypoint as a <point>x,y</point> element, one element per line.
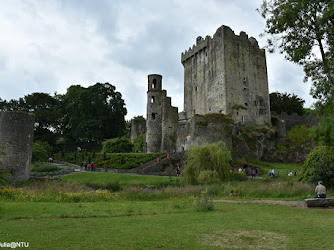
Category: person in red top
<point>94,166</point>
<point>105,167</point>
<point>88,167</point>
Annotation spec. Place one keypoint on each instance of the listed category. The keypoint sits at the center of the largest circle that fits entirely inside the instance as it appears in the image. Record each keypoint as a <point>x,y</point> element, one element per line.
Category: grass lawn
<point>165,224</point>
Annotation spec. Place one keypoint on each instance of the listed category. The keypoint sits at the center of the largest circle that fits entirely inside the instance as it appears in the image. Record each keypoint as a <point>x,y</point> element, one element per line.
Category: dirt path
<point>300,204</point>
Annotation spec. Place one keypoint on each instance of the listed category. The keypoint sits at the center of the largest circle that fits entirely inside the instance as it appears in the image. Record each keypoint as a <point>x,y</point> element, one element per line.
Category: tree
<point>117,145</point>
<point>93,113</point>
<point>46,111</point>
<point>303,30</point>
<point>204,161</point>
<point>286,103</point>
<point>324,132</point>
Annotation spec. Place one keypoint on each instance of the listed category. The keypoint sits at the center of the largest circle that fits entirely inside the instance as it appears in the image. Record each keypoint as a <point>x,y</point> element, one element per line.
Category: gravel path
<point>300,204</point>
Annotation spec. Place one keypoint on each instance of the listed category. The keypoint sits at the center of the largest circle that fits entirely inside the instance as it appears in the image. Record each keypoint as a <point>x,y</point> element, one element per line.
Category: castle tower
<point>154,114</point>
<point>227,74</point>
<point>16,135</point>
<point>161,120</point>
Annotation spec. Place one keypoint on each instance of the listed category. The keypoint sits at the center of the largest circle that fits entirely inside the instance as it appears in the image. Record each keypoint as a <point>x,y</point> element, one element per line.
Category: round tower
<point>16,135</point>
<point>154,114</point>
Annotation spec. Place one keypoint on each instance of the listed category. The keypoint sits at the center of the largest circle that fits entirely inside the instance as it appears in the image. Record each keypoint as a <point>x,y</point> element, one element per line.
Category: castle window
<point>153,116</point>
<point>221,111</point>
<point>152,99</point>
<point>195,88</point>
<point>209,108</point>
<point>242,119</point>
<point>154,84</point>
<point>255,102</point>
<point>246,104</point>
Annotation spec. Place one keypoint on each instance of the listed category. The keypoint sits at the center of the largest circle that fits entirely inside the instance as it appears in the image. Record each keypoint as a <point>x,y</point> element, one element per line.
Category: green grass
<point>167,225</point>
<point>123,179</point>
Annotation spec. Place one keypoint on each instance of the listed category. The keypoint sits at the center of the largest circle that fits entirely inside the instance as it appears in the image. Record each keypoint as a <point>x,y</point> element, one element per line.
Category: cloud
<point>46,46</point>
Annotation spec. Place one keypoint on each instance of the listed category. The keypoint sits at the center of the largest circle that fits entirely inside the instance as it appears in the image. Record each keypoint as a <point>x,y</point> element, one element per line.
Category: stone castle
<point>225,78</point>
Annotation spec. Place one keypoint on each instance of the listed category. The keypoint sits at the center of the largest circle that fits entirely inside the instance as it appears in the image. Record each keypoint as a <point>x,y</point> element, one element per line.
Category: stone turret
<point>16,134</point>
<point>161,119</point>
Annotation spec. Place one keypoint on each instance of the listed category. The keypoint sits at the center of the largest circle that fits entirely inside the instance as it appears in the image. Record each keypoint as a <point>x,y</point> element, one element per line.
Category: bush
<point>319,165</point>
<point>238,177</point>
<point>139,144</point>
<point>299,134</point>
<point>117,145</point>
<point>210,157</point>
<point>41,150</point>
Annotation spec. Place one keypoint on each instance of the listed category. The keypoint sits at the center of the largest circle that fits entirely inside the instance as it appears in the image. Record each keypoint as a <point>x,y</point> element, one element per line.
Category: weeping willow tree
<point>207,164</point>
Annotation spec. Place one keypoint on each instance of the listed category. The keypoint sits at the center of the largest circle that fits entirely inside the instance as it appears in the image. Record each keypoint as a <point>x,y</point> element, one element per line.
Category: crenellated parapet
<point>222,31</point>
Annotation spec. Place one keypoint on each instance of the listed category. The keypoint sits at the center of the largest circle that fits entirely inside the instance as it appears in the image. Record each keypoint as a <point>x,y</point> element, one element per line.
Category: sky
<point>48,45</point>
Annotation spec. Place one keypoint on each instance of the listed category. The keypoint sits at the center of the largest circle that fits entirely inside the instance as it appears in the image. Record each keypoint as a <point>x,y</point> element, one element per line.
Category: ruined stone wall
<point>138,128</point>
<point>202,129</point>
<point>295,119</point>
<point>16,134</point>
<point>225,71</point>
<point>169,126</point>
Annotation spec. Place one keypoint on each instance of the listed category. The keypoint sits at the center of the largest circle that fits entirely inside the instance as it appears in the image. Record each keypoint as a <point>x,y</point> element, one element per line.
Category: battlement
<point>222,31</point>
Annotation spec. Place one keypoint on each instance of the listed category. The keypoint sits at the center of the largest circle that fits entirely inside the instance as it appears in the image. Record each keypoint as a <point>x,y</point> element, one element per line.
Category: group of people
<point>290,173</point>
<point>272,173</point>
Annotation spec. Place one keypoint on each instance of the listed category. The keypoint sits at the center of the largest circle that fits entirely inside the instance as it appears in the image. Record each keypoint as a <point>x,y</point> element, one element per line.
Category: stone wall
<point>138,128</point>
<point>16,134</point>
<point>226,71</point>
<point>202,129</point>
<point>295,119</point>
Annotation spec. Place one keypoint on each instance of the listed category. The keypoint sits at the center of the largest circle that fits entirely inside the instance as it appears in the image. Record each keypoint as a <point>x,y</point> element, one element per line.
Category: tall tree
<point>304,31</point>
<point>45,109</point>
<point>286,103</point>
<point>94,113</point>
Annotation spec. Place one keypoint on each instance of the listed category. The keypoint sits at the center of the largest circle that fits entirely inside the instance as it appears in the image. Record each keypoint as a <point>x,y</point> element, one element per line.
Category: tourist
<point>88,167</point>
<point>253,173</point>
<point>85,164</point>
<point>269,173</point>
<point>273,172</point>
<point>296,173</point>
<point>240,171</point>
<point>158,160</point>
<point>290,174</point>
<point>320,191</point>
<point>105,167</point>
<point>178,171</point>
<point>81,165</point>
<point>167,155</point>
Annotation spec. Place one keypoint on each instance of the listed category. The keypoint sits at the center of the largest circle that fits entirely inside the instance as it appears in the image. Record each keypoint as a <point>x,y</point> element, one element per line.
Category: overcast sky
<point>49,45</point>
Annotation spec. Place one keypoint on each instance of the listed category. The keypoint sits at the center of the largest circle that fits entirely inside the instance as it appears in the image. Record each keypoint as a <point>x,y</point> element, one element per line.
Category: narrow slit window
<point>153,99</point>
<point>154,84</point>
<point>153,116</point>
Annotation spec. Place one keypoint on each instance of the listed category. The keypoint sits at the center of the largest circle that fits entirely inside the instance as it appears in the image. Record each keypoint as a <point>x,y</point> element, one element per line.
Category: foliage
<point>286,103</point>
<point>204,202</point>
<point>324,131</point>
<point>238,177</point>
<point>93,113</point>
<point>239,106</point>
<point>299,28</point>
<point>113,160</point>
<point>117,145</point>
<point>299,134</point>
<point>319,165</point>
<point>214,157</point>
<point>46,110</point>
<point>139,144</point>
<point>139,117</point>
<point>207,177</point>
<point>41,150</point>
<point>47,169</point>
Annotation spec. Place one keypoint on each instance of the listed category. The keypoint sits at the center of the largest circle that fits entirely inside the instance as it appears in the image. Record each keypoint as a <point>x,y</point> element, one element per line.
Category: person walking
<point>105,167</point>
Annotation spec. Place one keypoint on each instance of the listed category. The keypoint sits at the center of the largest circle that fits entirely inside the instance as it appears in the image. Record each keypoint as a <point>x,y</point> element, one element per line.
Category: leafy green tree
<point>303,30</point>
<point>41,150</point>
<point>286,103</point>
<point>46,110</point>
<point>93,113</point>
<point>319,165</point>
<point>209,159</point>
<point>324,132</point>
<point>117,145</point>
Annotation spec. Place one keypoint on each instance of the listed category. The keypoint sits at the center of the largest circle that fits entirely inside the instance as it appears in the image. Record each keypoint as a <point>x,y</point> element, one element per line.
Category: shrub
<point>238,177</point>
<point>299,134</point>
<point>213,157</point>
<point>117,145</point>
<point>319,165</point>
<point>41,150</point>
<point>139,144</point>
